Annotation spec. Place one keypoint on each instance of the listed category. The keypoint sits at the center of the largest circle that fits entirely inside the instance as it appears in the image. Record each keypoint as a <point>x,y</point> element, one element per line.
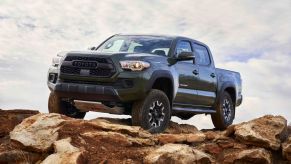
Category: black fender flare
<point>161,74</point>
<point>222,88</point>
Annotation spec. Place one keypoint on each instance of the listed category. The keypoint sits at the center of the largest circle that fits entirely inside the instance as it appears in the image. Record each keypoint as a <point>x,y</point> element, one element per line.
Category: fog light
<point>52,77</point>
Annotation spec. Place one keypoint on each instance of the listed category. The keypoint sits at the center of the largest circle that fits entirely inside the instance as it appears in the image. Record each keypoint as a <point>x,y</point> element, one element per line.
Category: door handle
<point>212,75</point>
<point>195,72</point>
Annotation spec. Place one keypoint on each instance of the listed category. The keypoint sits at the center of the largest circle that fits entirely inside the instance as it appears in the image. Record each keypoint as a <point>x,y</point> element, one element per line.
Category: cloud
<point>251,37</point>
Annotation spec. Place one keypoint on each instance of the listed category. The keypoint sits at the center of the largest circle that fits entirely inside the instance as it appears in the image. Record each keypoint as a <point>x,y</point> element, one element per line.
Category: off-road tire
<point>221,119</point>
<point>155,102</point>
<point>56,105</point>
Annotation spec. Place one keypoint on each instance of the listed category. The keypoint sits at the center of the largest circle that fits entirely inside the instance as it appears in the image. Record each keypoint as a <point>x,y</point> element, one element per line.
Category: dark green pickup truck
<point>149,77</point>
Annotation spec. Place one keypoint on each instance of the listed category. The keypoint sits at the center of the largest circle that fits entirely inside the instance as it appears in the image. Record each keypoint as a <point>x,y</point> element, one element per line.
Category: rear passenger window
<point>202,55</point>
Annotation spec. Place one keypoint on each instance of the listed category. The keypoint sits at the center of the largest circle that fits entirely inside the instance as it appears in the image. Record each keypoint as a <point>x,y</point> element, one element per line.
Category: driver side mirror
<point>182,56</point>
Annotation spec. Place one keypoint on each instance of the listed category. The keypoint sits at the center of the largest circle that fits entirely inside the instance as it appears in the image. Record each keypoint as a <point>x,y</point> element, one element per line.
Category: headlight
<point>57,60</point>
<point>134,65</point>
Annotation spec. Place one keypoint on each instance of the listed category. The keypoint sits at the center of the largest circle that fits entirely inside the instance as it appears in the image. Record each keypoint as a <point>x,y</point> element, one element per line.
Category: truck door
<point>188,76</point>
<point>207,83</point>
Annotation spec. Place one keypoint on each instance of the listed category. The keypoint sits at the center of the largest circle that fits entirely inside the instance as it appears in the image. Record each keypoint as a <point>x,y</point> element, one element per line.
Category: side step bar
<point>86,106</point>
<point>193,110</point>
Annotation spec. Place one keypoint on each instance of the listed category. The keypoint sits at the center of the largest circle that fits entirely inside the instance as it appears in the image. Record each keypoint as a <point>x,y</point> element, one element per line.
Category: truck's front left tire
<point>57,105</point>
<point>153,113</point>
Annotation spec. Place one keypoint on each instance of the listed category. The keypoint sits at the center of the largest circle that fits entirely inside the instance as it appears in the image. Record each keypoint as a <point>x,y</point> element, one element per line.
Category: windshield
<point>137,44</point>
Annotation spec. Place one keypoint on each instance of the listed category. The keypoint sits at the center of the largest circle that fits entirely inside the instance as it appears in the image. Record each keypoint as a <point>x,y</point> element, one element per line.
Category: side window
<point>183,46</point>
<point>202,55</point>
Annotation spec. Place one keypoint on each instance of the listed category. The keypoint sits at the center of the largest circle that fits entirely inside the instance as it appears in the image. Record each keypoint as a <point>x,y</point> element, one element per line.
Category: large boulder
<point>65,153</point>
<point>117,138</point>
<point>286,149</point>
<point>38,132</point>
<point>217,146</point>
<point>19,156</point>
<point>10,118</point>
<point>268,131</point>
<point>181,138</point>
<point>65,158</point>
<point>177,153</point>
<point>255,156</point>
<point>106,125</point>
<point>175,128</point>
<point>54,138</point>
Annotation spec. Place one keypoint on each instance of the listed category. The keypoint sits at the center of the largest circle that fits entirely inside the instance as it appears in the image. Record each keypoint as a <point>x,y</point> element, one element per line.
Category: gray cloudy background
<point>251,37</point>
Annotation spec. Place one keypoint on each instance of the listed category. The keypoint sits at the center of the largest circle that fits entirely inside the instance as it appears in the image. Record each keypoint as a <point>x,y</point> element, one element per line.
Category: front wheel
<point>225,112</point>
<point>153,113</point>
<point>57,105</point>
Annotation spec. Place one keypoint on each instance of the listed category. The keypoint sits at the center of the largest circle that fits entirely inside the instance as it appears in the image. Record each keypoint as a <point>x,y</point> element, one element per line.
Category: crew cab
<point>150,77</point>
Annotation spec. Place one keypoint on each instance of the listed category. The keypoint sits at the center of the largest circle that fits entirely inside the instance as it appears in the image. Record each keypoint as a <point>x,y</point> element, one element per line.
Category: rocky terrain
<point>31,137</point>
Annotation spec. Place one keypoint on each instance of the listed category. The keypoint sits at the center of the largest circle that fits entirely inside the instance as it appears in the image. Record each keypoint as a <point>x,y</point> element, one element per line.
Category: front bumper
<point>84,91</point>
<point>96,91</point>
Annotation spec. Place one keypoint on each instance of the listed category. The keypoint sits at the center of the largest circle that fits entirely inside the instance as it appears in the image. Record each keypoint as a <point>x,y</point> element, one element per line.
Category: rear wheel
<point>225,112</point>
<point>57,105</point>
<point>152,113</point>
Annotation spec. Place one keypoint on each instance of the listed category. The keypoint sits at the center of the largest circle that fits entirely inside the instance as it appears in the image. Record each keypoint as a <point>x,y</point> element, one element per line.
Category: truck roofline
<point>163,35</point>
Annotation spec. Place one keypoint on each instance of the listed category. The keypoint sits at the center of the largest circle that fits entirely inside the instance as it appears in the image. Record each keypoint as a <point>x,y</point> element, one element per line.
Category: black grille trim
<point>105,66</point>
<point>88,58</point>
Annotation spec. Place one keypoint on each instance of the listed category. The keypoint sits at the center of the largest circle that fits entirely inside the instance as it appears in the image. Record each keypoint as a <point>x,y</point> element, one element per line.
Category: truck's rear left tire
<point>153,113</point>
<point>57,105</point>
<point>225,112</point>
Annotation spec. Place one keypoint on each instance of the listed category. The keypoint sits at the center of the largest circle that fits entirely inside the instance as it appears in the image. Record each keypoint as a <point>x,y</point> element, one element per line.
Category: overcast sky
<point>251,37</point>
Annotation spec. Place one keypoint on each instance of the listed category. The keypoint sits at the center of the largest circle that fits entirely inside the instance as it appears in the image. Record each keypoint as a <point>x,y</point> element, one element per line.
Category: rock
<point>175,128</point>
<point>258,155</point>
<point>53,138</point>
<point>177,153</point>
<point>171,138</point>
<point>211,135</point>
<point>117,138</point>
<point>196,137</point>
<point>219,145</point>
<point>120,121</point>
<point>255,156</point>
<point>268,131</point>
<point>229,131</point>
<point>286,149</point>
<point>225,142</point>
<point>19,156</point>
<point>65,158</point>
<point>130,130</point>
<point>65,152</point>
<point>38,132</point>
<point>10,118</point>
<point>179,138</point>
<point>65,146</point>
<point>211,148</point>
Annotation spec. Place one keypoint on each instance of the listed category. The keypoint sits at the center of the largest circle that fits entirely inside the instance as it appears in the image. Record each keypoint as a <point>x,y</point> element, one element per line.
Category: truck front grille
<point>87,58</point>
<point>88,66</point>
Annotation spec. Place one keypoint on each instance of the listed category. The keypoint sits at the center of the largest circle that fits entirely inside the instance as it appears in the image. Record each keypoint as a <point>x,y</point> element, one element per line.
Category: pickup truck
<point>150,77</point>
